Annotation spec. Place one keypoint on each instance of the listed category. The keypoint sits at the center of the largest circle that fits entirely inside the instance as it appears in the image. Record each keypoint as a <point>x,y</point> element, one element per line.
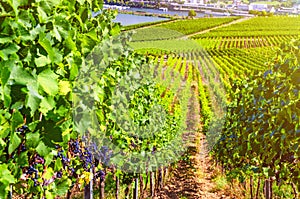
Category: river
<point>129,19</point>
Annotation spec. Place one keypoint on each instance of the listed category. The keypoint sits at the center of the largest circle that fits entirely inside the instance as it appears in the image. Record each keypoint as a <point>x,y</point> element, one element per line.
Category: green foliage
<point>192,13</point>
<point>43,44</point>
<point>261,133</point>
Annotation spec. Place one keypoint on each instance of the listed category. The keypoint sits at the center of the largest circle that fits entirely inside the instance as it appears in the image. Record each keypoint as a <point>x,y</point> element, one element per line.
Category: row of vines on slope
<point>260,139</point>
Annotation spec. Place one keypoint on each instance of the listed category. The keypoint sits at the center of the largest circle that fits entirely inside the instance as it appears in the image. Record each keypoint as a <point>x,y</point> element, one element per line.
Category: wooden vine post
<point>268,188</point>
<point>152,184</point>
<point>88,189</point>
<point>136,188</point>
<point>251,187</point>
<point>102,188</point>
<point>257,189</point>
<point>117,187</point>
<point>141,186</point>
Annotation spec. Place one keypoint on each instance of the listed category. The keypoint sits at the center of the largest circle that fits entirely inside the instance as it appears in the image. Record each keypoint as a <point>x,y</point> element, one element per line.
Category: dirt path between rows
<point>193,177</point>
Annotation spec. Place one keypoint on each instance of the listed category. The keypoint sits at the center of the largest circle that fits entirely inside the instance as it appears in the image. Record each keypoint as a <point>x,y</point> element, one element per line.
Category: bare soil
<point>194,176</point>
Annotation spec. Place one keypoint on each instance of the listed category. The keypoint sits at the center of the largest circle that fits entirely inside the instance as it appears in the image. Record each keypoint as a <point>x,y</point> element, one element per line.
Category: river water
<point>129,19</point>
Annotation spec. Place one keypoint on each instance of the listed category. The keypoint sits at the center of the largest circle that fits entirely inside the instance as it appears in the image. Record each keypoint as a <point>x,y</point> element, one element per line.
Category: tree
<point>192,13</point>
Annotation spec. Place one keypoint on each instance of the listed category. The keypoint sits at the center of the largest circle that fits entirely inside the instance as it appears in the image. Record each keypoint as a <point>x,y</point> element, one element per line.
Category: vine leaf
<point>32,139</point>
<point>49,173</point>
<point>42,61</point>
<point>42,149</point>
<point>48,81</point>
<point>47,104</point>
<point>6,178</point>
<point>15,141</point>
<point>12,48</point>
<point>62,187</point>
<point>17,119</point>
<point>33,98</point>
<point>21,76</point>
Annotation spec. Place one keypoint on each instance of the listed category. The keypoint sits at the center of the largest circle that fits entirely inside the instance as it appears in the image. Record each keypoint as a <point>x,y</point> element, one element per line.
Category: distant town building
<point>243,7</point>
<point>194,2</point>
<point>237,2</point>
<point>258,7</point>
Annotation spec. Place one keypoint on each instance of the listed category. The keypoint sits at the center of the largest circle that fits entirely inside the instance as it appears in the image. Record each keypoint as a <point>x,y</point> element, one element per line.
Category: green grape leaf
<point>53,53</point>
<point>62,186</point>
<point>47,104</point>
<point>49,173</point>
<point>22,159</point>
<point>48,81</point>
<point>21,76</point>
<point>64,87</point>
<point>33,97</point>
<point>52,133</point>
<point>6,178</point>
<point>48,159</point>
<point>58,164</point>
<point>42,15</point>
<point>14,143</point>
<point>11,49</point>
<point>49,195</point>
<point>42,61</point>
<point>42,149</point>
<point>17,120</point>
<point>32,139</point>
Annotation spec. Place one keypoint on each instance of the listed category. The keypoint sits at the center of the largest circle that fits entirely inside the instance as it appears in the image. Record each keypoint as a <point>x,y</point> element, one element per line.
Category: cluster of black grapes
<point>65,161</point>
<point>23,129</point>
<point>76,149</point>
<point>86,156</point>
<point>32,171</point>
<point>100,174</point>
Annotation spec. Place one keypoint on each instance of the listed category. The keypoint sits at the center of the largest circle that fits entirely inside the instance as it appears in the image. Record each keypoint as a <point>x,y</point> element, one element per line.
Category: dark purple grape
<point>75,147</point>
<point>23,148</point>
<point>31,170</point>
<point>100,174</point>
<point>24,127</point>
<point>35,182</point>
<point>59,174</point>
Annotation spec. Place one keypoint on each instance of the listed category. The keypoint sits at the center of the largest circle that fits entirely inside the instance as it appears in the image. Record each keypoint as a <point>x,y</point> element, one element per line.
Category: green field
<point>178,28</point>
<point>190,26</point>
<point>259,26</point>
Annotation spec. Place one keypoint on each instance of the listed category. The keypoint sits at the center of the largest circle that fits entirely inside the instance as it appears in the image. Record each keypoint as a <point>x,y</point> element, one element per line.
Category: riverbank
<point>175,16</point>
<point>148,14</point>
